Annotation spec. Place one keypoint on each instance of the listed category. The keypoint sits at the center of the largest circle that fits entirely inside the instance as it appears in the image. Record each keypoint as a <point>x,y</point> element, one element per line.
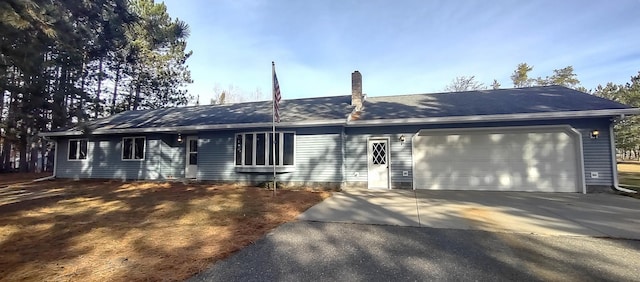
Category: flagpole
<point>273,123</point>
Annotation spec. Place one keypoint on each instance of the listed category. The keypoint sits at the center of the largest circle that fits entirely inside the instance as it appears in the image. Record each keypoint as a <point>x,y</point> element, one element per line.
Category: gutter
<point>495,118</point>
<point>343,168</point>
<point>614,161</point>
<point>352,121</point>
<point>189,128</point>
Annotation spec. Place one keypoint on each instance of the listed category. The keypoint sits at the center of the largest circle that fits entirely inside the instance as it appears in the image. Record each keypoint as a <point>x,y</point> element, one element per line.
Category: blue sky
<point>403,47</point>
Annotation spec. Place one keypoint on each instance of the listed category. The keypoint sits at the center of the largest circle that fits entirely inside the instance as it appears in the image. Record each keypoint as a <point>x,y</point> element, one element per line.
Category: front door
<point>191,170</point>
<point>378,159</point>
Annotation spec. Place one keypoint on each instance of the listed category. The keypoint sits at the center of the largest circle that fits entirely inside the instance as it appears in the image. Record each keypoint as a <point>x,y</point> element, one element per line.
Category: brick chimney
<point>356,90</point>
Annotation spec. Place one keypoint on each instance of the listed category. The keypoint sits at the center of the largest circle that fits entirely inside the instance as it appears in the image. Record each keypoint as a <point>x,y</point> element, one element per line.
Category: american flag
<point>276,97</point>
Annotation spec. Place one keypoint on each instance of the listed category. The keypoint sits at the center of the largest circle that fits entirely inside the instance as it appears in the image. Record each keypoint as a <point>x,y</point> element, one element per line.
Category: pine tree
<point>520,76</point>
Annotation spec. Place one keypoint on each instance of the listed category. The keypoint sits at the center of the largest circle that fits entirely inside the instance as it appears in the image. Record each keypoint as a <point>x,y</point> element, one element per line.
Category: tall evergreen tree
<point>55,57</point>
<point>495,84</point>
<point>627,130</point>
<point>520,76</point>
<point>563,77</point>
<point>464,83</point>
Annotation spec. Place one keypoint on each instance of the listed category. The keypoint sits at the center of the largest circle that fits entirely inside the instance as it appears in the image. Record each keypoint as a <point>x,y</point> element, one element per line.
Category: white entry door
<point>378,159</point>
<point>191,169</point>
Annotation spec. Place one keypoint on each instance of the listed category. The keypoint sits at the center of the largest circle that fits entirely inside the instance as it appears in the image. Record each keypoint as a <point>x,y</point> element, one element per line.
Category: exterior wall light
<point>595,133</point>
<point>179,138</point>
<point>401,139</point>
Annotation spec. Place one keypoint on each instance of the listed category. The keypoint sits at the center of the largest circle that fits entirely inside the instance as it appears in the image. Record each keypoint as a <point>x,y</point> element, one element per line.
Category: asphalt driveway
<point>320,251</point>
<point>595,215</point>
<point>447,236</point>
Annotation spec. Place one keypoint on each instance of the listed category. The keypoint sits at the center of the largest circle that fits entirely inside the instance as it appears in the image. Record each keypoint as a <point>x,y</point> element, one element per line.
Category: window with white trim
<point>133,148</point>
<point>256,149</point>
<point>77,149</point>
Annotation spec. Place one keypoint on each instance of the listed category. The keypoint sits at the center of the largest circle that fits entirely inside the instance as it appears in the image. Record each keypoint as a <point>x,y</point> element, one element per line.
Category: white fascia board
<point>496,118</point>
<point>176,129</point>
<point>60,133</point>
<point>334,122</point>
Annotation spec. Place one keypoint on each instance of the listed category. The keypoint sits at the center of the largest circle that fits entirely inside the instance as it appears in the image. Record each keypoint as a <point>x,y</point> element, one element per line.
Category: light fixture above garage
<point>401,139</point>
<point>595,133</point>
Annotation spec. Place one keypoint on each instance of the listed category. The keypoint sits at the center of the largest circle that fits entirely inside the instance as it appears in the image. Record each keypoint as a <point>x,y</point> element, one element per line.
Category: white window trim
<point>267,148</point>
<point>77,150</point>
<point>133,150</point>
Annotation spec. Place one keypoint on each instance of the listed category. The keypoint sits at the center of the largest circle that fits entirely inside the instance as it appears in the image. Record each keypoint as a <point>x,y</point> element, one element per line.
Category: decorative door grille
<point>379,153</point>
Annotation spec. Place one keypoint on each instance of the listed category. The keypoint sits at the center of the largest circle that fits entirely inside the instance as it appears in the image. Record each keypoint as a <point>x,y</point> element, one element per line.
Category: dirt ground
<point>15,178</point>
<point>132,231</point>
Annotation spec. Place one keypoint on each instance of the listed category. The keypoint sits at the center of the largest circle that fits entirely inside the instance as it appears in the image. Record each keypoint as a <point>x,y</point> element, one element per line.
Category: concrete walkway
<point>597,215</point>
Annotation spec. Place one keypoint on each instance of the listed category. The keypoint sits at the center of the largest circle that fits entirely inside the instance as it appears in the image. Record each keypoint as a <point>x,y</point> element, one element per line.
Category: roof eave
<point>338,122</point>
<point>497,118</point>
<point>170,129</point>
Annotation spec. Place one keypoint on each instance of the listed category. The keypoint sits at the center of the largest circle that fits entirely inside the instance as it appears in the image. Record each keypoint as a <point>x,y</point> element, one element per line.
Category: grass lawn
<point>123,231</point>
<point>629,174</point>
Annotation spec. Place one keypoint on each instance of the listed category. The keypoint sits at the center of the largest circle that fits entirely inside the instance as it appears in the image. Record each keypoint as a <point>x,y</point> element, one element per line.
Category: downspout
<point>614,162</point>
<point>158,158</point>
<point>342,150</point>
<point>55,162</point>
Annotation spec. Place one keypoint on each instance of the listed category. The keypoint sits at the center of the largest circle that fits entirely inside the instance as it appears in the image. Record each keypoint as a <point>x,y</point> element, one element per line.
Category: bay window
<point>256,149</point>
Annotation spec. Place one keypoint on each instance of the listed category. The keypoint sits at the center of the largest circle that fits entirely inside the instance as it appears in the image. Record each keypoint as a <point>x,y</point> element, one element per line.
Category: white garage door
<point>513,159</point>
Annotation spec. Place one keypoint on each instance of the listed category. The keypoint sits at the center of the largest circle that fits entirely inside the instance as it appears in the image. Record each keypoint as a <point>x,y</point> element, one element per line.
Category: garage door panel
<point>513,161</point>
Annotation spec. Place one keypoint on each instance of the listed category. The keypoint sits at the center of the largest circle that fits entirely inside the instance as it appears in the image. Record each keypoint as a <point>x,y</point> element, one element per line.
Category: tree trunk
<point>22,146</point>
<point>136,100</point>
<point>41,150</point>
<point>58,109</point>
<point>99,87</point>
<point>10,124</point>
<point>6,154</point>
<point>2,91</point>
<point>115,90</point>
<point>130,97</point>
<point>33,157</point>
<point>81,96</point>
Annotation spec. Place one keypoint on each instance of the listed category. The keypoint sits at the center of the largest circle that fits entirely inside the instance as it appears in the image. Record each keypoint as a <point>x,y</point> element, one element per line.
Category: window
<point>260,146</point>
<point>193,151</point>
<point>256,149</point>
<point>287,156</point>
<point>133,148</point>
<point>248,149</point>
<point>77,149</point>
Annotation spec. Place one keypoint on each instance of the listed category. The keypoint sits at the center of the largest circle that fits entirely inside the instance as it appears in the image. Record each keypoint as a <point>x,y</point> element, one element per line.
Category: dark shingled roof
<point>322,110</point>
<point>485,102</point>
<point>296,110</point>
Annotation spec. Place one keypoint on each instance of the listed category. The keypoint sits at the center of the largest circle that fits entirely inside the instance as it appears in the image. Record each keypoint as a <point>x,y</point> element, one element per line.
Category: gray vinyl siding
<point>356,165</point>
<point>596,152</point>
<point>215,156</point>
<point>318,157</point>
<point>318,154</point>
<point>163,160</point>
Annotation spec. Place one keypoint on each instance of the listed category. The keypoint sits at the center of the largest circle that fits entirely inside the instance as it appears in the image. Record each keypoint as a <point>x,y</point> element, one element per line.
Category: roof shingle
<point>485,102</point>
<point>531,100</point>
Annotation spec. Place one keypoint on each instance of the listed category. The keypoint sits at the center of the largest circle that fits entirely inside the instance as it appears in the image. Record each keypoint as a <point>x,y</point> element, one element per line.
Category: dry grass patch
<point>11,178</point>
<point>629,175</point>
<point>101,230</point>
